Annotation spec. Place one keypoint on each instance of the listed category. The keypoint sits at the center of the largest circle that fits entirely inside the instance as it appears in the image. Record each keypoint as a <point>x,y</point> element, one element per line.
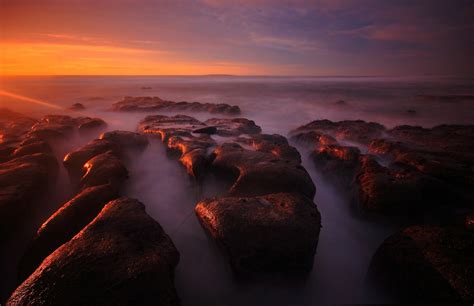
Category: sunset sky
<point>260,37</point>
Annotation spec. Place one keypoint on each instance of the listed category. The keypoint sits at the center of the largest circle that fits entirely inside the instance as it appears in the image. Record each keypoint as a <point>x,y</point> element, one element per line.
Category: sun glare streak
<point>28,99</point>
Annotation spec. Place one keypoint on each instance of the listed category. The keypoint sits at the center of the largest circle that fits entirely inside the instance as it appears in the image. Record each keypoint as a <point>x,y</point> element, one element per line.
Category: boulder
<point>233,127</point>
<point>426,264</point>
<point>126,140</point>
<point>105,168</point>
<point>88,125</point>
<point>74,161</point>
<point>64,224</point>
<point>352,130</point>
<point>257,173</point>
<point>122,257</point>
<point>22,180</point>
<point>272,233</point>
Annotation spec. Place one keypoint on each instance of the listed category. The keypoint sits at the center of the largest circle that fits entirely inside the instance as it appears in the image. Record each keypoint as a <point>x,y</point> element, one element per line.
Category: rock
<point>256,173</point>
<point>339,163</point>
<point>74,161</point>
<point>87,124</point>
<point>123,257</point>
<point>22,179</point>
<point>275,144</point>
<point>426,264</point>
<point>155,104</point>
<point>233,127</point>
<point>396,191</point>
<point>64,224</point>
<point>77,107</point>
<point>352,130</point>
<point>272,233</point>
<point>176,134</point>
<point>32,148</point>
<point>13,126</point>
<point>126,140</point>
<point>206,130</point>
<point>105,168</point>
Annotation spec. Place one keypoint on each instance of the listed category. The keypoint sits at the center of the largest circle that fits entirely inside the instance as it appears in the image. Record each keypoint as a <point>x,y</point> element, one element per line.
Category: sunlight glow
<point>28,99</point>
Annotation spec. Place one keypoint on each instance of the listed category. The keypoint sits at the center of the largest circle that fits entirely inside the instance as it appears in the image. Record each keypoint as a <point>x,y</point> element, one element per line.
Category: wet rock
<point>257,173</point>
<point>352,130</point>
<point>75,160</point>
<point>272,233</point>
<point>176,134</point>
<point>22,179</point>
<point>123,257</point>
<point>275,144</point>
<point>155,104</point>
<point>126,140</point>
<point>64,224</point>
<point>206,130</point>
<point>339,163</point>
<point>32,148</point>
<point>426,264</point>
<point>13,126</point>
<point>77,107</point>
<point>396,191</point>
<point>87,124</point>
<point>105,168</point>
<point>233,127</point>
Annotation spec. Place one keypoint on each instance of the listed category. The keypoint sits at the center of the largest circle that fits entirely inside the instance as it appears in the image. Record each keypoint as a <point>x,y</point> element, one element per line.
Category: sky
<point>243,37</point>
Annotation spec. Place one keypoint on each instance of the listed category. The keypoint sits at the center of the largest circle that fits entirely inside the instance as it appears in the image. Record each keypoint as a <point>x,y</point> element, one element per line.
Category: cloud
<point>285,43</point>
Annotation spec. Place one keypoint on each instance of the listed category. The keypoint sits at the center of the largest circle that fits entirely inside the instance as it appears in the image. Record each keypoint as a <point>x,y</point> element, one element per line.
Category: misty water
<point>347,240</point>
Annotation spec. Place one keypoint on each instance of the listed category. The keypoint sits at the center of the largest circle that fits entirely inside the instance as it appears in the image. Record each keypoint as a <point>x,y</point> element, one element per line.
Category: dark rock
<point>233,127</point>
<point>23,179</point>
<point>426,264</point>
<point>275,144</point>
<point>396,191</point>
<point>32,148</point>
<point>176,134</point>
<point>13,126</point>
<point>126,140</point>
<point>64,224</point>
<point>88,124</point>
<point>77,107</point>
<point>272,233</point>
<point>105,168</point>
<point>445,98</point>
<point>206,130</point>
<point>123,257</point>
<point>75,160</point>
<point>353,130</point>
<point>155,104</point>
<point>257,173</point>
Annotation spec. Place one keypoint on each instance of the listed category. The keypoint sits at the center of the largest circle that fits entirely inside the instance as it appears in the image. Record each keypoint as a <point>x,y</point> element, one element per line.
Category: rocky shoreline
<point>102,247</point>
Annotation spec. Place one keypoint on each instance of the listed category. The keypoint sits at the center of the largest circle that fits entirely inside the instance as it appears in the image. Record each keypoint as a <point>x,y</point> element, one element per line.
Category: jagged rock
<point>126,140</point>
<point>206,130</point>
<point>64,224</point>
<point>32,148</point>
<point>426,264</point>
<point>272,233</point>
<point>257,173</point>
<point>123,257</point>
<point>154,104</point>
